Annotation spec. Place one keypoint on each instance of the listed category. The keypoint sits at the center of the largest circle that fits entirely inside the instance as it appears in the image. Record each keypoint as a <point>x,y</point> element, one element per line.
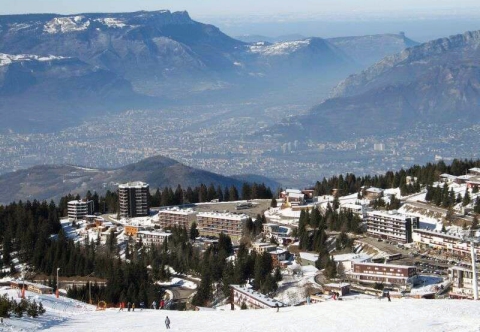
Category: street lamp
<point>58,269</point>
<point>90,287</point>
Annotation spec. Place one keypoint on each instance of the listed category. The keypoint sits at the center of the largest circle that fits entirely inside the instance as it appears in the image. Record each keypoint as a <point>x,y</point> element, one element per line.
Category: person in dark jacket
<point>167,322</point>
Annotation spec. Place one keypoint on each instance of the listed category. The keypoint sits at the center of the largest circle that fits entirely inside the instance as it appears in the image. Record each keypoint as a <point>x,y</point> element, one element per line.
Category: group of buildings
<point>208,223</point>
<point>471,179</point>
<point>132,198</point>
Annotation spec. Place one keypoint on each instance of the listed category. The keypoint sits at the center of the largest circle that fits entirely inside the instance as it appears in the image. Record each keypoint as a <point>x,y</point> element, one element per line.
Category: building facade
<point>133,199</point>
<point>176,217</point>
<point>77,210</point>
<point>155,238</point>
<point>214,223</point>
<point>391,225</point>
<point>462,282</point>
<point>370,273</point>
<point>449,243</point>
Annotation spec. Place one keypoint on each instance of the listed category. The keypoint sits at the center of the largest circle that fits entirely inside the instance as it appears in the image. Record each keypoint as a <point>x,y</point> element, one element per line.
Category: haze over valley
<point>107,90</point>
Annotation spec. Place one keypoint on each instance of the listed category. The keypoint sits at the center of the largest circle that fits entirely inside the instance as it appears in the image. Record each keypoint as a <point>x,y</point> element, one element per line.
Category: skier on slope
<point>167,322</point>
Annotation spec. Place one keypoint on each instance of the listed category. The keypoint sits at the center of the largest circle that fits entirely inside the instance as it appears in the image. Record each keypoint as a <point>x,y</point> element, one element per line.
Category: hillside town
<point>374,243</point>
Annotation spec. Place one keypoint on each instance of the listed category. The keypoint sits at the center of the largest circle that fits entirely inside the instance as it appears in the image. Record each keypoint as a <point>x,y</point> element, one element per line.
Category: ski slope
<point>347,315</point>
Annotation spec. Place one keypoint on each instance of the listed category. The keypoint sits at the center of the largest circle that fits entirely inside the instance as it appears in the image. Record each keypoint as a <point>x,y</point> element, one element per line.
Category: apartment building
<point>77,210</point>
<point>133,198</point>
<point>155,238</point>
<point>450,243</point>
<point>391,225</point>
<point>462,282</point>
<point>175,217</point>
<point>389,274</point>
<point>214,223</point>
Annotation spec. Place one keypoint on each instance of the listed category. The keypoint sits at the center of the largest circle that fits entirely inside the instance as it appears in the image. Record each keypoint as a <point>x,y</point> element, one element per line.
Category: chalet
<point>252,299</point>
<point>261,247</point>
<point>447,178</point>
<point>473,182</point>
<point>463,178</point>
<point>279,257</point>
<point>372,193</point>
<point>340,288</point>
<point>293,197</point>
<point>474,171</point>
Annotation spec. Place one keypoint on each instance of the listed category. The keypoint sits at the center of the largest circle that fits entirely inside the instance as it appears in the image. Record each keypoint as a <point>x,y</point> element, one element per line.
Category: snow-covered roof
<point>361,257</point>
<point>393,266</point>
<point>447,176</point>
<point>465,177</point>
<point>161,234</point>
<point>374,190</point>
<point>295,195</point>
<point>312,257</point>
<point>134,185</point>
<point>293,191</point>
<point>177,210</point>
<point>337,285</point>
<point>389,214</point>
<point>474,170</point>
<point>257,296</point>
<point>223,215</point>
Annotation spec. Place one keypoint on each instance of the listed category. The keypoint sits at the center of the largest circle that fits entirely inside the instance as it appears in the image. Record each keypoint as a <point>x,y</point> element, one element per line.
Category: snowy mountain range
<point>162,55</point>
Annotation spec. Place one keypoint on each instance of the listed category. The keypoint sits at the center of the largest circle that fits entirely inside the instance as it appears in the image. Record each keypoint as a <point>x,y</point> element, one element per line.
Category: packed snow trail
<point>355,315</point>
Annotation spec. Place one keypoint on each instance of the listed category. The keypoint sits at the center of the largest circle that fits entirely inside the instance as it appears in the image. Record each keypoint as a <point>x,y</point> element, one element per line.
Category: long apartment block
<point>391,225</point>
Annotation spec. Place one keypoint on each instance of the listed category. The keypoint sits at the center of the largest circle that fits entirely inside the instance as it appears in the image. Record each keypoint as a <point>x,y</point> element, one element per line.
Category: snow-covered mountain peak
<point>66,24</point>
<point>6,59</point>
<point>279,48</point>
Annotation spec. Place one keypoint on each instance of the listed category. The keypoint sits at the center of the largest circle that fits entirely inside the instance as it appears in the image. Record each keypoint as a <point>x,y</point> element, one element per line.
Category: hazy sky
<point>201,8</point>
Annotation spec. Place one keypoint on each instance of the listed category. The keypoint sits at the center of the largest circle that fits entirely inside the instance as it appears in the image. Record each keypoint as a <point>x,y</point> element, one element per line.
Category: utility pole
<point>474,270</point>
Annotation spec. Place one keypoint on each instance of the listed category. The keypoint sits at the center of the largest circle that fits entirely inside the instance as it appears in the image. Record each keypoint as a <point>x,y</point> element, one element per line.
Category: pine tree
<point>273,203</point>
<point>466,198</point>
<point>330,269</point>
<point>194,233</point>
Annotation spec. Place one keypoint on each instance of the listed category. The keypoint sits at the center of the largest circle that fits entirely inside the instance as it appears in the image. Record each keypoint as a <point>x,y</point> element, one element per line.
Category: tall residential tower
<point>133,198</point>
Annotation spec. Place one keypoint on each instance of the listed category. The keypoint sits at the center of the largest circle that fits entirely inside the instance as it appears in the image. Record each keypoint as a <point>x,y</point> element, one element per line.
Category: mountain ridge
<point>437,82</point>
<point>45,182</point>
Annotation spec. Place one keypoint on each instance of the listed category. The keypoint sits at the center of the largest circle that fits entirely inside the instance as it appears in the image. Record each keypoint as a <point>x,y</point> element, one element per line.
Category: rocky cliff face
<point>437,82</point>
<point>367,50</point>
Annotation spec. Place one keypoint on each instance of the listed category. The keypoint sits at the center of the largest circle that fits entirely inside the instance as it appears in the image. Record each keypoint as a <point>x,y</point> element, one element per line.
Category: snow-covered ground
<point>291,290</point>
<point>58,312</point>
<point>180,283</point>
<point>352,315</point>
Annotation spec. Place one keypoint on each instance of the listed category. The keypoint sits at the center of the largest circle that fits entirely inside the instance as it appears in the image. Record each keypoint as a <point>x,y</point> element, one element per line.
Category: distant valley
<point>107,90</point>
